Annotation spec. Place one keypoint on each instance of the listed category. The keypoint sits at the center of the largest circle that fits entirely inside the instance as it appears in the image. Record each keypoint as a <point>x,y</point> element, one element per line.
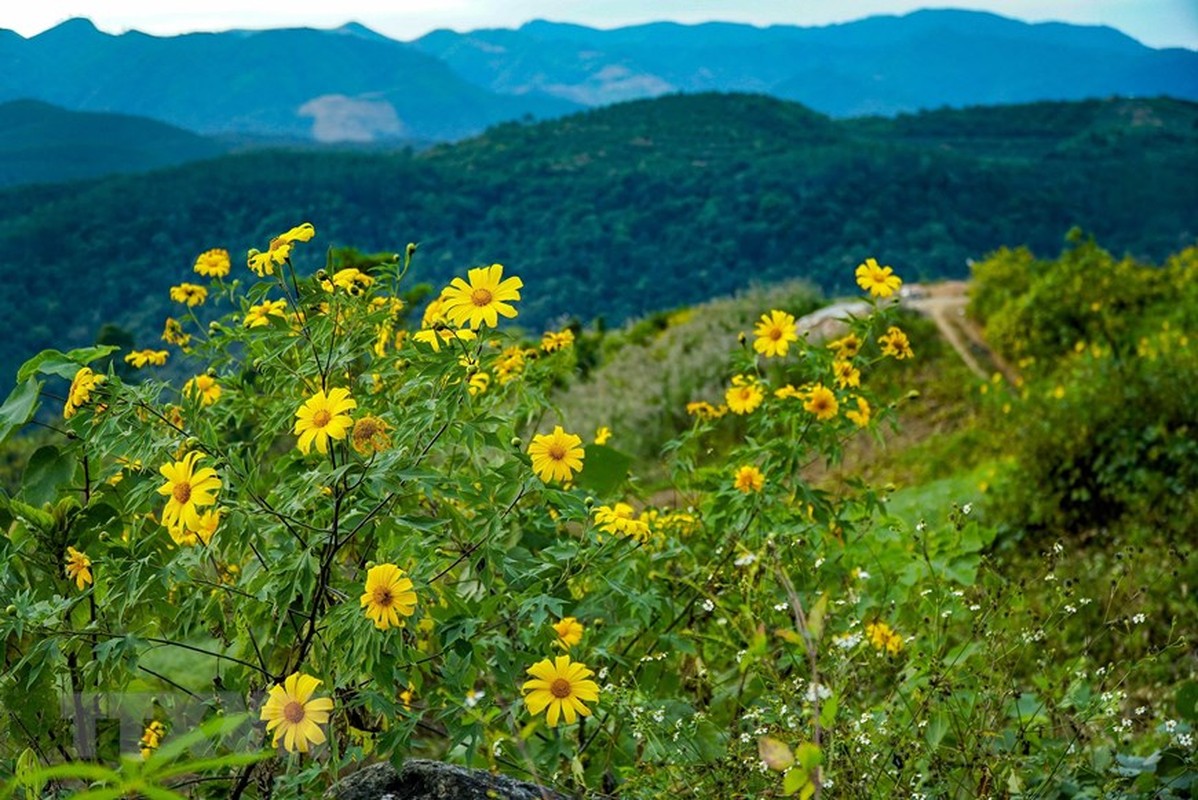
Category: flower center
<point>321,418</point>
<point>556,451</point>
<point>182,492</point>
<point>481,297</point>
<point>294,712</point>
<point>383,597</point>
<point>560,688</point>
<point>776,334</point>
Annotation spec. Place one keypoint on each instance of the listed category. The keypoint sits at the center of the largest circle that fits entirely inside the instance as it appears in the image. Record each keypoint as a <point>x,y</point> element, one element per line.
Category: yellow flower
<point>559,688</point>
<point>861,415</point>
<point>79,567</point>
<point>80,393</point>
<point>172,333</point>
<point>569,632</point>
<point>434,337</point>
<point>204,387</point>
<point>846,347</point>
<point>483,300</point>
<point>894,343</point>
<point>139,358</point>
<point>883,638</point>
<point>556,456</point>
<point>479,383</point>
<point>749,479</point>
<point>846,374</point>
<point>323,416</point>
<point>744,396</point>
<point>187,490</point>
<point>557,341</point>
<point>263,264</point>
<point>354,281</point>
<point>292,713</point>
<point>878,281</point>
<point>370,435</point>
<point>620,520</point>
<point>259,315</point>
<point>602,434</point>
<point>821,402</point>
<point>510,363</point>
<point>388,596</point>
<point>209,522</point>
<point>704,410</point>
<point>788,392</point>
<point>151,738</point>
<point>774,333</point>
<point>213,263</point>
<point>190,293</point>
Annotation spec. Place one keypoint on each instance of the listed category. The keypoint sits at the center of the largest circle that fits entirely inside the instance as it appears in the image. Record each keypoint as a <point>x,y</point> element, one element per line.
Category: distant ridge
<point>353,84</point>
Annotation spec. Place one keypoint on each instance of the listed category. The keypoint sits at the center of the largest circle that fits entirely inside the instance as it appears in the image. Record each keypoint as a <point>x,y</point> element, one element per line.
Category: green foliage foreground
<point>425,570</point>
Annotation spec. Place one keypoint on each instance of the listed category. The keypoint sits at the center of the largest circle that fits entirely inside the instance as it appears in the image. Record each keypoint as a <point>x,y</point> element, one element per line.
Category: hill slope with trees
<point>620,211</point>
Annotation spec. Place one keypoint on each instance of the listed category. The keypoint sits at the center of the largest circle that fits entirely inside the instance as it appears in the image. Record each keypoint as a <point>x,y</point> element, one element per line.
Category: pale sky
<point>1158,23</point>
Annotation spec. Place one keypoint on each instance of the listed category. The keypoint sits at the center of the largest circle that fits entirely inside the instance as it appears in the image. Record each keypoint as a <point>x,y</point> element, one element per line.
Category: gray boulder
<point>433,780</point>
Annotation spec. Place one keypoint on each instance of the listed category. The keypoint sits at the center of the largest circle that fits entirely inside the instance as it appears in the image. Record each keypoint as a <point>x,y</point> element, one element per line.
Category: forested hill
<point>620,211</point>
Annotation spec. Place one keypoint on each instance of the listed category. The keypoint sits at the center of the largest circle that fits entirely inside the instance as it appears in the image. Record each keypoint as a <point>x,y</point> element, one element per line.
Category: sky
<point>1158,23</point>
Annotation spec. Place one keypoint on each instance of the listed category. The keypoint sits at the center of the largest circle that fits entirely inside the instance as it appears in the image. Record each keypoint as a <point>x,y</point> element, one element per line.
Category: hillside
<point>42,143</point>
<point>620,211</point>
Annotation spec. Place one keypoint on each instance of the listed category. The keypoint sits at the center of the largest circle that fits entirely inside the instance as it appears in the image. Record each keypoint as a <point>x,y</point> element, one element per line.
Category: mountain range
<point>351,84</point>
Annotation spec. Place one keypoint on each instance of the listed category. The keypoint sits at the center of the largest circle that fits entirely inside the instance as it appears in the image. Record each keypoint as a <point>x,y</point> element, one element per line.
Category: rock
<point>432,780</point>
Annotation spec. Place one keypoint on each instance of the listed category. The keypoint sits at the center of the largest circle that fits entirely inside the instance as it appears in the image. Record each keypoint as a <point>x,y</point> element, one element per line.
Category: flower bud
<point>11,610</point>
<point>516,442</point>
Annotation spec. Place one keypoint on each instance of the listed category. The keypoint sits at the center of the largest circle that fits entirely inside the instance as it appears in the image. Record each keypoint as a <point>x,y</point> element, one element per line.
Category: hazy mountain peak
<point>358,29</point>
<point>71,29</point>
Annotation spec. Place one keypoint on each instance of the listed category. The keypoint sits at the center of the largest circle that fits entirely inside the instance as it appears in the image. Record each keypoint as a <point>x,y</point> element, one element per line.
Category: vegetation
<point>657,204</point>
<point>358,522</point>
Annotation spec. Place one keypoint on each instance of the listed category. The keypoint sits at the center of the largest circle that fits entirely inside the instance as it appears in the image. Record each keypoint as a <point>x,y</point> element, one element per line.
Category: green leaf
<point>19,407</point>
<point>64,365</point>
<point>48,469</point>
<point>809,755</point>
<point>603,470</point>
<point>937,727</point>
<point>795,779</point>
<point>827,711</point>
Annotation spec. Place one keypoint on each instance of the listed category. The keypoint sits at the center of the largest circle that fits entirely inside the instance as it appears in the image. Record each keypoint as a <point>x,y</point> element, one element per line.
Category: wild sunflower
<point>388,596</point>
<point>895,343</point>
<point>259,315</point>
<point>556,456</point>
<point>846,374</point>
<point>621,520</point>
<point>279,251</point>
<point>140,358</point>
<point>187,490</point>
<point>557,340</point>
<point>744,395</point>
<point>294,715</point>
<point>774,333</point>
<point>883,637</point>
<point>559,688</point>
<point>569,632</point>
<point>479,383</point>
<point>172,333</point>
<point>878,281</point>
<point>602,434</point>
<point>213,263</point>
<point>190,293</point>
<point>434,337</point>
<point>370,435</point>
<point>861,415</point>
<point>80,393</point>
<point>322,417</point>
<point>748,479</point>
<point>151,738</point>
<point>204,387</point>
<point>209,522</point>
<point>483,300</point>
<point>79,567</point>
<point>821,402</point>
<point>846,347</point>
